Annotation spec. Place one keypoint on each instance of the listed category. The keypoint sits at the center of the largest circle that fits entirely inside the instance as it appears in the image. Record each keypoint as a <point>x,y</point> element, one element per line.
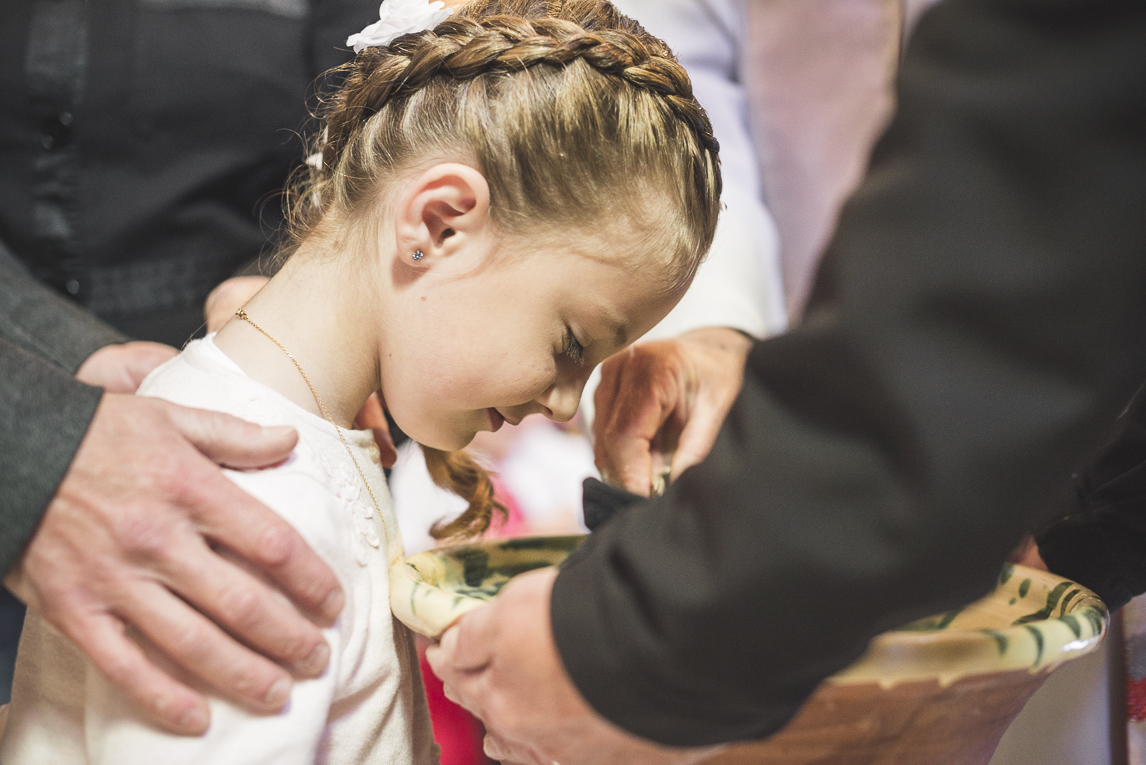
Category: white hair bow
<point>399,17</point>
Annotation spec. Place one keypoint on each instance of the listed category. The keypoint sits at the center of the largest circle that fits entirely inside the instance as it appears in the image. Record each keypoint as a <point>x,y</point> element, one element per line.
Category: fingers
<point>142,357</point>
<point>466,646</point>
<point>230,516</point>
<point>122,542</point>
<point>667,396</point>
<point>697,438</point>
<point>232,442</point>
<point>167,701</point>
<point>235,519</point>
<point>639,392</point>
<point>204,650</point>
<point>120,368</point>
<point>247,607</point>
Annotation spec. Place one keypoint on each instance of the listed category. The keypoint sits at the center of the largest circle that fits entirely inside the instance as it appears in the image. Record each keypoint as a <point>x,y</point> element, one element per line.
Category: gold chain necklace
<point>242,314</point>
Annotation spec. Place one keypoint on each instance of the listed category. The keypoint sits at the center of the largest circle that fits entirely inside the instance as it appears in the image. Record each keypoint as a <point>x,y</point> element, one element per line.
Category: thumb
<point>473,637</point>
<point>697,438</point>
<point>142,357</point>
<point>627,461</point>
<point>232,442</point>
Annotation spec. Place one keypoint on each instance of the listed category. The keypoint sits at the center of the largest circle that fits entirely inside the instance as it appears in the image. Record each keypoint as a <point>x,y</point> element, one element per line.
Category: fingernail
<point>279,431</point>
<point>317,660</point>
<point>333,604</point>
<point>279,693</point>
<point>194,720</point>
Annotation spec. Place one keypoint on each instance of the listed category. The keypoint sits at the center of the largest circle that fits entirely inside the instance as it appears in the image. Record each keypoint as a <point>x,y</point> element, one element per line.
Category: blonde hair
<point>572,112</point>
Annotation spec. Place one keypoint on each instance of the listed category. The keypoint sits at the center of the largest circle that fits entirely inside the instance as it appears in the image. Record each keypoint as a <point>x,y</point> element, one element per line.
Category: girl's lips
<point>495,419</point>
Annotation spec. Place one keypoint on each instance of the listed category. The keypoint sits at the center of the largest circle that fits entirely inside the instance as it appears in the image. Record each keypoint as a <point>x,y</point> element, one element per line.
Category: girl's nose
<point>561,400</point>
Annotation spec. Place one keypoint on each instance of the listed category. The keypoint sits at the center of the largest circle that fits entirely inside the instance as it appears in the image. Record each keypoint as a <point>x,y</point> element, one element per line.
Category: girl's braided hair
<point>573,113</point>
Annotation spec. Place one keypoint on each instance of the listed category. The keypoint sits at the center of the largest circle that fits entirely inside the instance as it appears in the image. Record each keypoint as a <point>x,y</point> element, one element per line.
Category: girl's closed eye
<point>573,348</point>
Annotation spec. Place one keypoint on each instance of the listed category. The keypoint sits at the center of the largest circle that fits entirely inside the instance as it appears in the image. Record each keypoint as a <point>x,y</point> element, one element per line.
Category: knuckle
<point>191,643</point>
<point>119,667</point>
<point>171,479</point>
<point>142,535</point>
<point>499,715</point>
<point>248,679</point>
<point>239,605</point>
<point>165,704</point>
<point>276,544</point>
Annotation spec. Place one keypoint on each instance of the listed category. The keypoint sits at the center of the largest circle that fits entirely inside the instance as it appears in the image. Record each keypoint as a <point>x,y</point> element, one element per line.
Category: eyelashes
<point>572,348</point>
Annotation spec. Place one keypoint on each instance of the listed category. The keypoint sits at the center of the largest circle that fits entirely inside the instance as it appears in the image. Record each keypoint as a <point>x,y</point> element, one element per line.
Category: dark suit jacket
<point>978,322</point>
<point>133,177</point>
<point>143,144</point>
<point>1098,537</point>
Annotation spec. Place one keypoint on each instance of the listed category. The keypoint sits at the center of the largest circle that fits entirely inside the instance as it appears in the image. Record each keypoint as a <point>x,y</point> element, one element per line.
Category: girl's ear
<point>443,212</point>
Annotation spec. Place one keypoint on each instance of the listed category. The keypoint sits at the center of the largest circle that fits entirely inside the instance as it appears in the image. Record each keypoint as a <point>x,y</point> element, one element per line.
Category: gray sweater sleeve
<point>37,319</point>
<point>47,412</point>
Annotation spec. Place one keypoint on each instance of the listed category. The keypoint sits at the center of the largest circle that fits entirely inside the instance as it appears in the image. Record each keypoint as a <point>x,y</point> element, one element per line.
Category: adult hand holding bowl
<point>941,690</point>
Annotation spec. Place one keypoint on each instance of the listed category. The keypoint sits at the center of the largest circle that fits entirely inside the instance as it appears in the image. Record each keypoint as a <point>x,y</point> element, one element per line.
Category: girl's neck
<point>320,316</point>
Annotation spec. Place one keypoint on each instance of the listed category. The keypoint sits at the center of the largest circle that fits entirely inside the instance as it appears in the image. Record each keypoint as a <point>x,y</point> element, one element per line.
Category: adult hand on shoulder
<point>127,548</point>
<point>500,662</point>
<point>120,368</point>
<point>666,397</point>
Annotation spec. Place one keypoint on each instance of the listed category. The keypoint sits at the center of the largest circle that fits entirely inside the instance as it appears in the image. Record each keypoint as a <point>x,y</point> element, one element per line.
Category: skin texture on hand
<point>664,400</point>
<point>128,545</point>
<point>121,368</point>
<point>501,663</point>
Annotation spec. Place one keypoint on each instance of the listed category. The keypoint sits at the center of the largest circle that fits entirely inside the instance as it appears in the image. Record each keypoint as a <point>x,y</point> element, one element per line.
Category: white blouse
<point>368,707</point>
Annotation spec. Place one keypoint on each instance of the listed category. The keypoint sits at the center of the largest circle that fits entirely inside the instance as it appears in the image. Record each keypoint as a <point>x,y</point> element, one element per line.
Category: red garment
<point>457,732</point>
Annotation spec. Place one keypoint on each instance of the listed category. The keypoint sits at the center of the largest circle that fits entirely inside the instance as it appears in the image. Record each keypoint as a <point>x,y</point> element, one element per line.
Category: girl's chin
<point>446,442</point>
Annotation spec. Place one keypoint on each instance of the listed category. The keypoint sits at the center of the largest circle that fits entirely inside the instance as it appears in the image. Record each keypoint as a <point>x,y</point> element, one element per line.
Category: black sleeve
<point>1099,538</point>
<point>979,321</point>
<point>37,319</point>
<point>45,414</point>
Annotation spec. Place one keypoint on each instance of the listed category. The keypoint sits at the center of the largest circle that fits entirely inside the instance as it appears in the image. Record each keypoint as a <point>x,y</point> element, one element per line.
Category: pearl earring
<point>418,255</point>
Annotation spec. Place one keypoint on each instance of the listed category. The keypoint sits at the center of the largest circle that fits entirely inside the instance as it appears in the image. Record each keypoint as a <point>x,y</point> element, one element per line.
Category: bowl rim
<point>1033,645</point>
<point>899,655</point>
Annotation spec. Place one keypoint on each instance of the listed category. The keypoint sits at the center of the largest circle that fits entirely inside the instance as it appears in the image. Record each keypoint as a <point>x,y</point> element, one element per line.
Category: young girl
<point>502,201</point>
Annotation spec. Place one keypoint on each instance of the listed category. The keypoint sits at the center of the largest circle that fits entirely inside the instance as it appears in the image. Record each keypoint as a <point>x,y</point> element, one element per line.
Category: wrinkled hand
<point>500,662</point>
<point>663,400</point>
<point>121,368</point>
<point>126,546</point>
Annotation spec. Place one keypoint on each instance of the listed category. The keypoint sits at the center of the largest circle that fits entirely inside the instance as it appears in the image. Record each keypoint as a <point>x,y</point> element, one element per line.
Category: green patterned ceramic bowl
<point>939,691</point>
<point>1032,620</point>
<point>433,589</point>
